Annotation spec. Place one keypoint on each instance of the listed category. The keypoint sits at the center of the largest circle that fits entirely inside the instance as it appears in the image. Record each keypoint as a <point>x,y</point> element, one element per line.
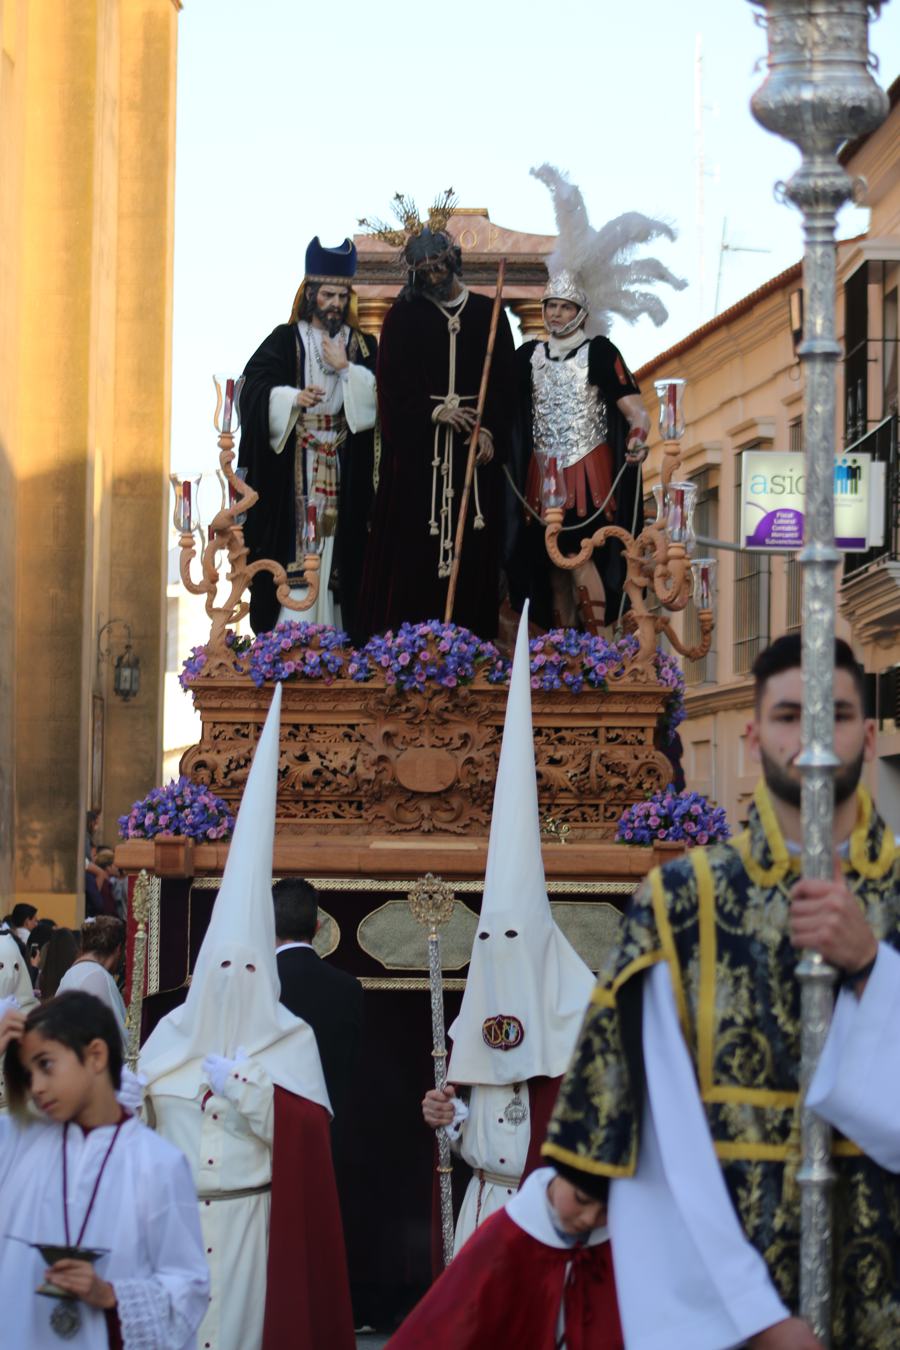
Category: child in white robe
<point>76,1169</point>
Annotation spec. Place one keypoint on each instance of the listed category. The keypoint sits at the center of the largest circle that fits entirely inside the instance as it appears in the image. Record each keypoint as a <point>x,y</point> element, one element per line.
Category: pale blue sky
<point>295,119</point>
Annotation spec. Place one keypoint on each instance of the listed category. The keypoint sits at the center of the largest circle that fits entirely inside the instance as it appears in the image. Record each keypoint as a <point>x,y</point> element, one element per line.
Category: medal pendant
<point>516,1112</point>
<point>65,1319</point>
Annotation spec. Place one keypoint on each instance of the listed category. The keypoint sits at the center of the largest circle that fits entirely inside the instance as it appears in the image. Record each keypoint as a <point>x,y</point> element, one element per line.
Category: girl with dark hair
<point>102,949</point>
<point>77,1170</point>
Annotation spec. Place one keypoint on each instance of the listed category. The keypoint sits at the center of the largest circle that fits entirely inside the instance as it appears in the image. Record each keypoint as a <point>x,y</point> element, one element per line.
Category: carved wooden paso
<point>367,759</point>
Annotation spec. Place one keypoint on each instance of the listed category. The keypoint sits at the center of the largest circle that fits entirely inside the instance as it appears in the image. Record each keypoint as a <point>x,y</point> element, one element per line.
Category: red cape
<point>504,1289</point>
<point>307,1288</point>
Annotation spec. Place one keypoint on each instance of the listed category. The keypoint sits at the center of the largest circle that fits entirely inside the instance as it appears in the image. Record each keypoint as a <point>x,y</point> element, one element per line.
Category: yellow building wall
<point>87,93</point>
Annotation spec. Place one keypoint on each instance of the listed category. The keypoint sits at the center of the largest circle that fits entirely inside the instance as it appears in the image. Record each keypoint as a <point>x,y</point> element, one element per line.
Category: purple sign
<point>778,529</point>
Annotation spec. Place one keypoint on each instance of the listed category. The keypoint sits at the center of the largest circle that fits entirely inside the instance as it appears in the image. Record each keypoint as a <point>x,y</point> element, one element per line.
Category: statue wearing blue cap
<point>307,416</point>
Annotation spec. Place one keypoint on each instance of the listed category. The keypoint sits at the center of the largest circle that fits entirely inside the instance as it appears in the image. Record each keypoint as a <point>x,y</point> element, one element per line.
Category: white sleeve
<point>283,414</point>
<point>163,1310</point>
<point>673,1227</point>
<point>856,1086</point>
<point>358,385</point>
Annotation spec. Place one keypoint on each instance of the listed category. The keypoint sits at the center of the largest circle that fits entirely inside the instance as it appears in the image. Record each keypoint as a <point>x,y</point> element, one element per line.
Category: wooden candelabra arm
<point>700,649</point>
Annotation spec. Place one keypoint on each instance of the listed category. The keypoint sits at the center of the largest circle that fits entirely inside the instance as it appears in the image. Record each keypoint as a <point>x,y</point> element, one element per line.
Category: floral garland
<point>418,654</point>
<point>684,816</point>
<point>303,651</point>
<point>184,807</point>
<point>193,664</point>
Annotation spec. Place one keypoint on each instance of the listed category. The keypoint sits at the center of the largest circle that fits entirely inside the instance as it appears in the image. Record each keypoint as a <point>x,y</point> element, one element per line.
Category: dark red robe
<point>307,1289</point>
<point>505,1289</point>
<point>400,572</point>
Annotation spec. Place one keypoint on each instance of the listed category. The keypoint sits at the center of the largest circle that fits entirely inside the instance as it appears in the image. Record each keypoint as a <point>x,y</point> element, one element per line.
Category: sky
<point>296,119</point>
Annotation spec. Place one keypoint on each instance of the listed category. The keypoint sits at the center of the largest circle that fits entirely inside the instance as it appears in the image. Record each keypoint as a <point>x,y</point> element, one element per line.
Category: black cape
<point>527,562</point>
<point>400,576</point>
<point>269,531</point>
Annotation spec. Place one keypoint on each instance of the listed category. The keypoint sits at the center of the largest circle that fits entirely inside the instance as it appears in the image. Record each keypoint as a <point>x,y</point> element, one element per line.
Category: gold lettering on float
<point>493,236</point>
<point>468,239</point>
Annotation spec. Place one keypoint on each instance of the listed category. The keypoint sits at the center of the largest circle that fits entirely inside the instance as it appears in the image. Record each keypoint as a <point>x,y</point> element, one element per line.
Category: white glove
<point>460,1113</point>
<point>218,1067</point>
<point>8,1004</point>
<point>131,1090</point>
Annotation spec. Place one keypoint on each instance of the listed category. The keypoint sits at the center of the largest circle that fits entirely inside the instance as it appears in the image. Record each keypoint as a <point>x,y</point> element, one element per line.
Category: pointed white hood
<point>14,978</point>
<point>527,987</point>
<point>233,998</point>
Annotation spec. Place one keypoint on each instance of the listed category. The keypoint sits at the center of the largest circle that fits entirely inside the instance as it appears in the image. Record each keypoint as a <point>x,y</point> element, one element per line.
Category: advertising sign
<point>773,485</point>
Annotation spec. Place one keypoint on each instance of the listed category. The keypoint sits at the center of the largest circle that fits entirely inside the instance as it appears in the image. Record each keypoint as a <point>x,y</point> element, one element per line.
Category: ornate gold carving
<point>367,759</point>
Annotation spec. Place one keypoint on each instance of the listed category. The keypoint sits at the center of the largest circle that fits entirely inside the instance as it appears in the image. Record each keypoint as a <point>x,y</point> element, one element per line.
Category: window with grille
<point>750,621</point>
<point>706,523</point>
<point>793,570</point>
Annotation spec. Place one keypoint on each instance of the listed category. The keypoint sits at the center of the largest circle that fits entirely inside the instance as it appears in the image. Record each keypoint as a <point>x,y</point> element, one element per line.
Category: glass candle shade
<point>659,497</point>
<point>679,509</point>
<point>186,516</point>
<point>240,474</point>
<point>671,408</point>
<point>553,488</point>
<point>227,417</point>
<point>704,574</point>
<point>308,536</point>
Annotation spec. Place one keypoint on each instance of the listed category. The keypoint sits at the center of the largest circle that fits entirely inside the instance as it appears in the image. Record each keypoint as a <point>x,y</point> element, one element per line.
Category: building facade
<point>745,392</point>
<point>87,122</point>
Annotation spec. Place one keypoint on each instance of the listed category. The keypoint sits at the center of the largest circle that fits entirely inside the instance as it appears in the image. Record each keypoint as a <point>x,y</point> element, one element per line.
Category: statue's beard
<point>438,290</point>
<point>332,320</point>
<point>787,789</point>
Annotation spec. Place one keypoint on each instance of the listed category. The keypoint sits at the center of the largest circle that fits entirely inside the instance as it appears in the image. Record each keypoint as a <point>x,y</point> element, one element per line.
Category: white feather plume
<point>603,260</point>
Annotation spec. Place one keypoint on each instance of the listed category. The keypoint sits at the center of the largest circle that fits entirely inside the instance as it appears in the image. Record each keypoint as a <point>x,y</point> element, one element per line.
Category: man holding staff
<point>682,1097</point>
<point>433,348</point>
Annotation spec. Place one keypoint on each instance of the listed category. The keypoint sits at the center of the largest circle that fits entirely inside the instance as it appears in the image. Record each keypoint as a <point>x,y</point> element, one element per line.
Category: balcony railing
<point>882,444</point>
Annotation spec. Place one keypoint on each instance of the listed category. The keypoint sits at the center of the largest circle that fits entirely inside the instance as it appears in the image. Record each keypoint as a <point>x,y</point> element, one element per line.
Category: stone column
<point>531,316</point>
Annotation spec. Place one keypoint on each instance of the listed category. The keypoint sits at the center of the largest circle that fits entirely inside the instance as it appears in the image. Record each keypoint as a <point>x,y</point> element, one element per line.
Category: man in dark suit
<point>330,1000</point>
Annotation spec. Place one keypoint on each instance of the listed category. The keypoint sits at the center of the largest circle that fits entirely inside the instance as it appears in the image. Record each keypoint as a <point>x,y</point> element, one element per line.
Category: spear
<point>473,444</point>
<point>431,901</point>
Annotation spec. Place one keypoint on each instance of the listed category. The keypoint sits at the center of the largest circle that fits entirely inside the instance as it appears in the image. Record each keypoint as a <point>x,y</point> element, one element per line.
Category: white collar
<point>531,1210</point>
<point>561,346</point>
<point>286,947</point>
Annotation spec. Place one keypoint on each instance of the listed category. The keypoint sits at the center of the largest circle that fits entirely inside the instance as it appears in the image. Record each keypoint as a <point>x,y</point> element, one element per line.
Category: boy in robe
<point>81,1171</point>
<point>526,991</point>
<point>235,1081</point>
<point>554,1237</point>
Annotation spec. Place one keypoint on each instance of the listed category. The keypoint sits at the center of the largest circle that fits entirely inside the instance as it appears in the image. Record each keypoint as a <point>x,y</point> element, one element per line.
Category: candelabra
<point>225,534</point>
<point>819,92</point>
<point>658,559</point>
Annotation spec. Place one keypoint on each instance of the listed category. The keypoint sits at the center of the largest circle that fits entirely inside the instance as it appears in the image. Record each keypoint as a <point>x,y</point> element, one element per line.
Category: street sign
<point>773,486</point>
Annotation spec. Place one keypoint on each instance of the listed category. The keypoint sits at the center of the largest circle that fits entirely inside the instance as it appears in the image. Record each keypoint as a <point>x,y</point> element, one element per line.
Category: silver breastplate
<point>569,414</point>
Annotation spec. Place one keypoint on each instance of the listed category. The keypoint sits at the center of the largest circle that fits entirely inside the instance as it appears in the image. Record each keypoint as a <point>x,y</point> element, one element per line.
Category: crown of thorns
<point>411,225</point>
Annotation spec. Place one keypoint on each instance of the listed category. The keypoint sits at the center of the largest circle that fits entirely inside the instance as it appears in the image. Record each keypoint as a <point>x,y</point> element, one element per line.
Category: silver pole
<point>431,903</point>
<point>818,94</point>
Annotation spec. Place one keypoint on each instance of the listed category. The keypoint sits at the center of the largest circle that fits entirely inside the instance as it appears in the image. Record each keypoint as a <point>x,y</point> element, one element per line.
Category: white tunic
<point>351,391</point>
<point>673,1227</point>
<point>92,978</point>
<point>228,1143</point>
<point>145,1215</point>
<point>490,1143</point>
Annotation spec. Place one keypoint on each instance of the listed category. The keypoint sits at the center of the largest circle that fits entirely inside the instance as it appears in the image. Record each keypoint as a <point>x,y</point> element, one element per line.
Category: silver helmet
<point>563,285</point>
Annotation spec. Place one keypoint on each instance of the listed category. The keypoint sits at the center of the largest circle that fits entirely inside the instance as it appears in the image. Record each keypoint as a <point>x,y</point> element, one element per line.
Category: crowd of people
<point>632,1140</point>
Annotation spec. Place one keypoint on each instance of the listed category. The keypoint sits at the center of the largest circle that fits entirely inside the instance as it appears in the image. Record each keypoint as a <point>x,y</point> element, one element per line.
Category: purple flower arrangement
<point>683,816</point>
<point>300,651</point>
<point>178,808</point>
<point>193,664</point>
<point>421,653</point>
